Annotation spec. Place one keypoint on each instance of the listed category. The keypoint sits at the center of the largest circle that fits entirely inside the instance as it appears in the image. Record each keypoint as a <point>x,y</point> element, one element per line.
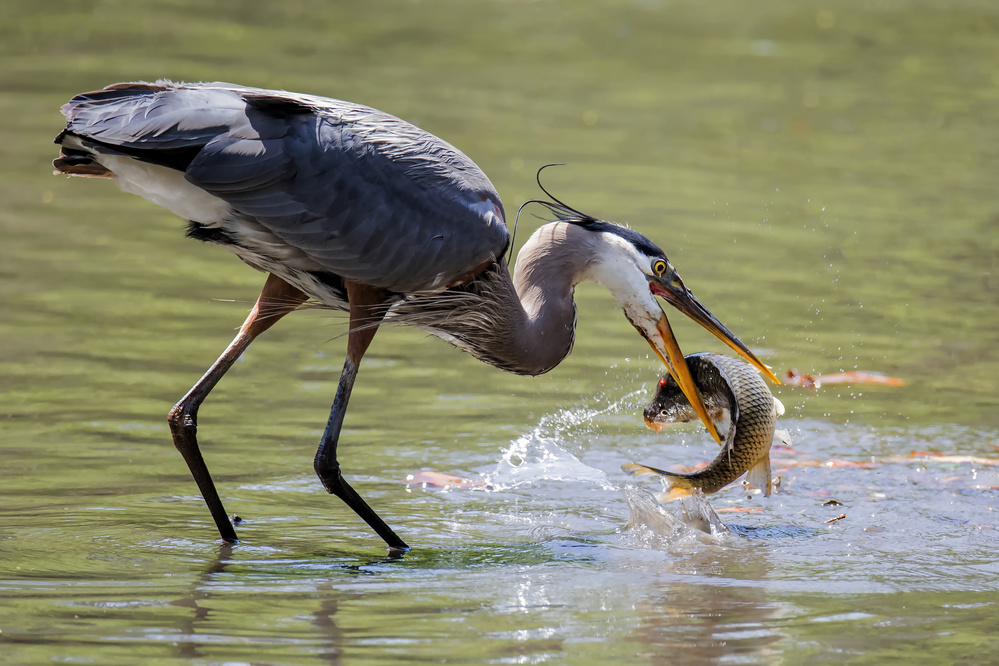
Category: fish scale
<point>726,385</point>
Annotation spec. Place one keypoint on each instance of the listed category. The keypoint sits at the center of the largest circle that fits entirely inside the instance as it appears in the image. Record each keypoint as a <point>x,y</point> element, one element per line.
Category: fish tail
<point>642,470</point>
<point>678,489</point>
<point>679,486</point>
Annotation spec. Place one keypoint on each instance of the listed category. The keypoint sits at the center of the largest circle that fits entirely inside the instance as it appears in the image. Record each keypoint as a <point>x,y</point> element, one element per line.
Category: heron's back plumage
<point>322,192</point>
<point>303,183</point>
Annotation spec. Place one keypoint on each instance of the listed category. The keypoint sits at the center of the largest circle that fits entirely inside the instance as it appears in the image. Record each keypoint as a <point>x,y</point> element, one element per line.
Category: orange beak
<point>677,295</point>
<point>668,351</point>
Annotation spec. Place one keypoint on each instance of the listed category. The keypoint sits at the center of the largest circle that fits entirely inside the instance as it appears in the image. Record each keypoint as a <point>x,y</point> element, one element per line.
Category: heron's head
<point>636,271</point>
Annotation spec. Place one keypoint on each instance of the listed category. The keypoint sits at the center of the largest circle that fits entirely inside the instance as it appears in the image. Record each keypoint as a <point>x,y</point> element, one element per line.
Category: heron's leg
<point>366,312</point>
<point>277,299</point>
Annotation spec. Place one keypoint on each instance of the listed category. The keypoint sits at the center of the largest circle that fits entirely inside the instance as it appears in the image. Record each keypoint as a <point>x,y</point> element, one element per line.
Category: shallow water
<point>824,180</point>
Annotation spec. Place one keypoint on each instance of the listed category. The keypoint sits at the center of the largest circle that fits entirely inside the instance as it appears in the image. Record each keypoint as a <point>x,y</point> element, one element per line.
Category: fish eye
<point>664,412</point>
<point>658,266</point>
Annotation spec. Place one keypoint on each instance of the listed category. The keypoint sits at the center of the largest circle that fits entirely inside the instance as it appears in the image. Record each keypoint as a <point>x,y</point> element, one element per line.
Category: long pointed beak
<point>683,300</point>
<point>666,347</point>
<point>668,351</point>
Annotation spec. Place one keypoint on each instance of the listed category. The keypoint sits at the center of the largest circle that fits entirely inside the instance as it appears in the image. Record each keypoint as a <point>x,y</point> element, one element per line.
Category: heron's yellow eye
<point>658,266</point>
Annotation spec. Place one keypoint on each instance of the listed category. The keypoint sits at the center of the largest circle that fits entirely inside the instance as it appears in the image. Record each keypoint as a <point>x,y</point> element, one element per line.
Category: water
<point>822,177</point>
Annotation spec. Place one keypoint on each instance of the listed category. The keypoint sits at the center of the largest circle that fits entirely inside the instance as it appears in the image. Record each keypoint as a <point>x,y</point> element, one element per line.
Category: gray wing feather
<point>362,193</point>
<point>153,115</point>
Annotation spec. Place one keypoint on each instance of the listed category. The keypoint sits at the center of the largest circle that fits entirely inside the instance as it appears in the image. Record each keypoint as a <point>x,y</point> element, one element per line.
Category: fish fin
<point>674,493</point>
<point>759,474</point>
<point>642,470</point>
<point>778,407</point>
<point>782,436</point>
<point>678,487</point>
<point>724,419</point>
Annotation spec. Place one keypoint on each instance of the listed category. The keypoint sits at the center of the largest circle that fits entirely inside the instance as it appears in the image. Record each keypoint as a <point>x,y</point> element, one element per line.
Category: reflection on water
<point>713,624</point>
<point>823,178</point>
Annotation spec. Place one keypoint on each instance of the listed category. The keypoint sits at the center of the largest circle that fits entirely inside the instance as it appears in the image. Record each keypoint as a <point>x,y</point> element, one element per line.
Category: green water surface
<point>822,174</point>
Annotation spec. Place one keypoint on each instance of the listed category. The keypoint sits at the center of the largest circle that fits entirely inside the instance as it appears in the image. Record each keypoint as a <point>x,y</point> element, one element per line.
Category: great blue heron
<point>367,214</point>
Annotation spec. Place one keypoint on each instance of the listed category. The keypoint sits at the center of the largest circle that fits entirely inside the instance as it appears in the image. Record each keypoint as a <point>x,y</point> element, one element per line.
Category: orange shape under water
<point>440,480</point>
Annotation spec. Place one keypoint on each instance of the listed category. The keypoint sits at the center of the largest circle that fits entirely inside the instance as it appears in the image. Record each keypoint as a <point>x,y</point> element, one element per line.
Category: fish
<point>431,479</point>
<point>740,404</point>
<point>795,378</point>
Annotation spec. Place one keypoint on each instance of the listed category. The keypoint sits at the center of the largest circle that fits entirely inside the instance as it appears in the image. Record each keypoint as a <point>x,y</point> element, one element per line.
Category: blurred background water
<point>823,175</point>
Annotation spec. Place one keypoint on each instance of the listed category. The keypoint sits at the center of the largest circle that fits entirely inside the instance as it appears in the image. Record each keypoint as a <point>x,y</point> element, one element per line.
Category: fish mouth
<point>653,424</point>
<point>668,350</point>
<point>683,300</point>
<point>666,347</point>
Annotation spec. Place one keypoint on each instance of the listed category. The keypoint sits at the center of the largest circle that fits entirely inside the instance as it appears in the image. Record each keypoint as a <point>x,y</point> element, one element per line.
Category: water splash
<point>543,454</point>
<point>654,526</point>
<point>537,456</point>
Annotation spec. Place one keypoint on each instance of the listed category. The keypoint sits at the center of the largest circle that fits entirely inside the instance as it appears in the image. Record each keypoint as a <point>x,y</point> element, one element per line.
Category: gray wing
<point>363,194</point>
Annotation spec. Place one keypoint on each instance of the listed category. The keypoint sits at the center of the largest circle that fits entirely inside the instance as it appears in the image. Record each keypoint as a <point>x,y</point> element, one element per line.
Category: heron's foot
<point>334,483</point>
<point>234,520</point>
<point>183,421</point>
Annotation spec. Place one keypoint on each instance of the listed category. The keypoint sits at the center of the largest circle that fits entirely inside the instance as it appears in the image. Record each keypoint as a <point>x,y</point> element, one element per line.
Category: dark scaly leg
<point>277,299</point>
<point>366,312</point>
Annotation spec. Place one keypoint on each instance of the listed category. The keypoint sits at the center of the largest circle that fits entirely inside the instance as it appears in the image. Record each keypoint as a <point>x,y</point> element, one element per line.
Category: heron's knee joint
<point>326,468</point>
<point>328,472</point>
<point>181,417</point>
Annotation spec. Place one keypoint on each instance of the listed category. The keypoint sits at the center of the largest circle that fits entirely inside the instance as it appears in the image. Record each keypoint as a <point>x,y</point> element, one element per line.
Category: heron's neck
<point>549,266</point>
<point>524,325</point>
